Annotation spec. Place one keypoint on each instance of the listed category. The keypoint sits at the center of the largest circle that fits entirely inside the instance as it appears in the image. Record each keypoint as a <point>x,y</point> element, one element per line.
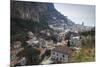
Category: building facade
<point>60,54</point>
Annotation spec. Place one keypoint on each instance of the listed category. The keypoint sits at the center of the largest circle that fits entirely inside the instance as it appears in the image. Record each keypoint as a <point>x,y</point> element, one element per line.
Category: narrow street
<point>47,60</point>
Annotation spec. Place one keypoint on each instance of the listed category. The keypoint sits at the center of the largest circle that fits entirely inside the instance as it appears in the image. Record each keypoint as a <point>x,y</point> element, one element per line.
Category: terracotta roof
<point>62,49</point>
<point>39,49</point>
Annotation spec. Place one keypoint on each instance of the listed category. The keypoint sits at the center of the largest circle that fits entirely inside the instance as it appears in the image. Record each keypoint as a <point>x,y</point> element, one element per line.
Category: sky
<point>78,13</point>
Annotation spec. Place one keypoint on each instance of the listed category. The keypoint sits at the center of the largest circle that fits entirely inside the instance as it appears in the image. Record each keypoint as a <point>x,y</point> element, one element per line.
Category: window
<point>57,59</point>
<point>72,43</point>
<point>57,54</point>
<point>63,55</point>
<point>60,59</point>
<point>53,53</point>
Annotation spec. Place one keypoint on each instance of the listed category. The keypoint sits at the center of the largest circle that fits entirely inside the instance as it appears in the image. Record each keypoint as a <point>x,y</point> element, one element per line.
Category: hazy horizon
<point>78,13</point>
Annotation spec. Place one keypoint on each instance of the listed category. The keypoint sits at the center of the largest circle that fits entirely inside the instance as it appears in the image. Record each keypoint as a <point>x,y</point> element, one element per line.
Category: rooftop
<point>62,49</point>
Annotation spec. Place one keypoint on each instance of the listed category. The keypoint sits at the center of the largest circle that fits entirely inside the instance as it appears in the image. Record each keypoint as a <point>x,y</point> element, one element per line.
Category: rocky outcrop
<point>35,16</point>
<point>34,10</point>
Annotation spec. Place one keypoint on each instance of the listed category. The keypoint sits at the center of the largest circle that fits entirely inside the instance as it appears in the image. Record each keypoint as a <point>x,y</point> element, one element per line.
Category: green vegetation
<point>19,27</point>
<point>87,51</point>
<point>32,55</point>
<point>88,39</point>
<point>85,55</point>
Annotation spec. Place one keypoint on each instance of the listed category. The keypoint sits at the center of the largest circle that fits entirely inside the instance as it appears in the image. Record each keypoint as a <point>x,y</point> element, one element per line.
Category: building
<point>42,43</point>
<point>60,54</point>
<point>17,44</point>
<point>75,40</point>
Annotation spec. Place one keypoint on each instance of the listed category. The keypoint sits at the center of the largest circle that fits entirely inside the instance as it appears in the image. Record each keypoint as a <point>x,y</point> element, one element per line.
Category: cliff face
<point>27,10</point>
<point>23,14</point>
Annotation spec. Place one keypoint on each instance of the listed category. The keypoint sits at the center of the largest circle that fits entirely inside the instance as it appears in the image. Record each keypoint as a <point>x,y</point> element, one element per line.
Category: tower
<point>82,23</point>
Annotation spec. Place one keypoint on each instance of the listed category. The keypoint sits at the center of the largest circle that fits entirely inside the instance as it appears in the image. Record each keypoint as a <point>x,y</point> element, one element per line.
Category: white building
<point>60,54</point>
<point>22,61</point>
<point>42,43</point>
<point>75,41</point>
<point>17,44</point>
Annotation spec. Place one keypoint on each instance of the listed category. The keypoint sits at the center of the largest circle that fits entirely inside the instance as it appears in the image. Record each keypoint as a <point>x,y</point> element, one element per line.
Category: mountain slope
<point>35,16</point>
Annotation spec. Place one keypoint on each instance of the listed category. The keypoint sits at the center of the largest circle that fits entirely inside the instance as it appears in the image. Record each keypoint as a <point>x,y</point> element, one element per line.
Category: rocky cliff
<point>34,16</point>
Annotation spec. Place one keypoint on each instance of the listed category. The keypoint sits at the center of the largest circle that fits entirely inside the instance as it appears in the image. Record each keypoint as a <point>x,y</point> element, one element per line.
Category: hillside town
<point>40,35</point>
<point>60,49</point>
